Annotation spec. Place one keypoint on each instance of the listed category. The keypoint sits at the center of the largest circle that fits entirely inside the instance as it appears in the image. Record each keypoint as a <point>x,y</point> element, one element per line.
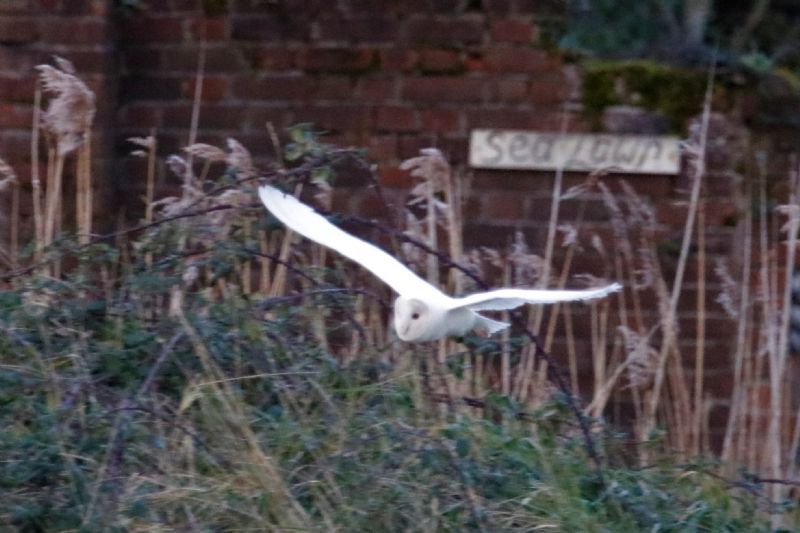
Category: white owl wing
<point>307,222</point>
<point>502,299</point>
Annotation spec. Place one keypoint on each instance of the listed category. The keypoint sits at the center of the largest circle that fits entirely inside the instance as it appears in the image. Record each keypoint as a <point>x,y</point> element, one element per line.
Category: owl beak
<point>403,332</point>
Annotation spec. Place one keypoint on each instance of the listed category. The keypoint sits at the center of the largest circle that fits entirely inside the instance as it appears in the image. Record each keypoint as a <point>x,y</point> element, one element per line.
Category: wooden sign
<point>509,149</point>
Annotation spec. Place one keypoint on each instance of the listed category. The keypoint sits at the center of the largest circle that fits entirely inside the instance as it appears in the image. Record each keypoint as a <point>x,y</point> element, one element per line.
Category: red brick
<point>720,241</point>
<point>214,88</point>
<point>100,8</point>
<point>512,31</point>
<point>150,88</point>
<point>443,89</point>
<point>212,116</point>
<point>97,83</point>
<point>716,327</point>
<point>721,212</point>
<point>272,58</point>
<point>16,7</point>
<point>256,28</point>
<point>169,142</point>
<point>385,7</point>
<point>369,206</point>
<point>448,6</point>
<point>512,91</point>
<point>593,210</point>
<point>15,116</point>
<point>395,118</point>
<point>210,28</point>
<point>519,59</point>
<point>450,31</point>
<point>78,7</point>
<point>438,60</point>
<point>358,29</point>
<point>410,145</point>
<point>336,59</point>
<point>82,31</point>
<point>256,119</point>
<point>16,30</point>
<point>672,213</point>
<point>472,207</point>
<point>454,148</point>
<point>503,7</point>
<point>336,118</point>
<point>720,160</point>
<point>269,28</point>
<point>503,206</point>
<point>475,63</point>
<point>382,147</point>
<point>476,235</point>
<point>182,5</point>
<point>441,120</point>
<point>542,9</point>
<point>655,186</point>
<point>721,184</point>
<point>397,59</point>
<point>376,89</point>
<point>391,176</point>
<point>152,29</point>
<point>548,91</point>
<point>14,59</point>
<point>139,115</point>
<point>509,180</point>
<point>580,123</point>
<point>334,88</point>
<point>274,87</point>
<point>95,61</point>
<point>217,59</point>
<point>718,356</point>
<point>514,119</point>
<point>13,144</point>
<point>15,89</point>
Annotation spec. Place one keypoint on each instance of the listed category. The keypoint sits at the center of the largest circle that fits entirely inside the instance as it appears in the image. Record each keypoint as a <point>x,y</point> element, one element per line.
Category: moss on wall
<point>674,92</point>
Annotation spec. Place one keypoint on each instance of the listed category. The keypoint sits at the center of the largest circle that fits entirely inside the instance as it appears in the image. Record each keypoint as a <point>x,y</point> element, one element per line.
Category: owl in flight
<point>421,311</point>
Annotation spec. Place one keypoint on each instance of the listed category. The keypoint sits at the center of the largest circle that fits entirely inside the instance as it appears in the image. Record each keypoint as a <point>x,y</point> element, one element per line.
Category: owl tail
<point>489,325</point>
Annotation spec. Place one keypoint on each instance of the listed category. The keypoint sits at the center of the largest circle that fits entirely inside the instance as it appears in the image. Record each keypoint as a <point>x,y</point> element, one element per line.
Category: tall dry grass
<point>636,357</point>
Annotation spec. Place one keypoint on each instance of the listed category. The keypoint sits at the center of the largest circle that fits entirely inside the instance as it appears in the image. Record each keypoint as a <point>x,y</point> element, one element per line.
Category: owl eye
<point>414,316</point>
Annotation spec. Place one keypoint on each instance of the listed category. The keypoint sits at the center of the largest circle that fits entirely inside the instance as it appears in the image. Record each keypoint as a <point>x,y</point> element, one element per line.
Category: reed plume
<point>67,121</point>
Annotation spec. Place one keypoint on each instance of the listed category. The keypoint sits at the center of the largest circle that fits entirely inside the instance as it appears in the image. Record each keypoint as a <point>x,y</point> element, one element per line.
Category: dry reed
<point>700,343</point>
<point>68,121</point>
<point>628,361</point>
<point>697,158</point>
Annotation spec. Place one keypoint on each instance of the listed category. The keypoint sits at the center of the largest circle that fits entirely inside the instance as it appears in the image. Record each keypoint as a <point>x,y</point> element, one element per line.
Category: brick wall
<point>389,76</point>
<point>31,33</point>
<point>393,77</point>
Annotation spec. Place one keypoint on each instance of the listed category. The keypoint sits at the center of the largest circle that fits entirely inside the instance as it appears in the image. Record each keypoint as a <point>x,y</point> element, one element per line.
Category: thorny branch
<point>554,370</point>
<point>300,171</point>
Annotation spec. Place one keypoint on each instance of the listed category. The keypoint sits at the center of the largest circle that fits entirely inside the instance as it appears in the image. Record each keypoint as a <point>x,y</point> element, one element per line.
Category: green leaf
<point>462,446</point>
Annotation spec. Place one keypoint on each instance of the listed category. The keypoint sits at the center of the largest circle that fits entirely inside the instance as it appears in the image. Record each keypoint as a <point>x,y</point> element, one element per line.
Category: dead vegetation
<point>212,248</point>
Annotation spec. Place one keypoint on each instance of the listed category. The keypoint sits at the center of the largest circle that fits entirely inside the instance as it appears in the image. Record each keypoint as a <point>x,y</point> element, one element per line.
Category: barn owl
<point>421,311</point>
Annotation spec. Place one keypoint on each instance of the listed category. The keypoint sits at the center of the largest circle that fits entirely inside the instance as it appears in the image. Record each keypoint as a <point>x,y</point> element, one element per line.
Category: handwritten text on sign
<point>645,154</point>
